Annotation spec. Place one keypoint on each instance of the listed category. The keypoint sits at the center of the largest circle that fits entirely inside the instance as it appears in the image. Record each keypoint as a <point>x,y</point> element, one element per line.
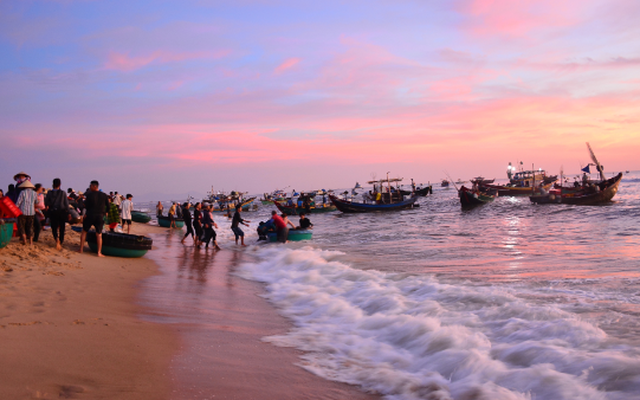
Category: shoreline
<point>71,328</point>
<point>80,326</point>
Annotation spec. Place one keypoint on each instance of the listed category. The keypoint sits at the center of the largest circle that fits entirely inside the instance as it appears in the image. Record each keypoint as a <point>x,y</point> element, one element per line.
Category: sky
<point>162,98</point>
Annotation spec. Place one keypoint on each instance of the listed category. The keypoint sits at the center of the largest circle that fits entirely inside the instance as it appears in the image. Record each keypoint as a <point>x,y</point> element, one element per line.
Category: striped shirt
<point>27,201</point>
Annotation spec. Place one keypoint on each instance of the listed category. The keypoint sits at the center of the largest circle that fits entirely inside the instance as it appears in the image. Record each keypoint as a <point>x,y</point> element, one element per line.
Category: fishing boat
<point>165,222</point>
<point>470,198</point>
<point>523,182</point>
<point>586,193</point>
<point>444,183</point>
<point>120,244</point>
<point>353,207</point>
<point>306,203</point>
<point>227,203</point>
<point>295,235</point>
<point>140,216</point>
<point>383,197</point>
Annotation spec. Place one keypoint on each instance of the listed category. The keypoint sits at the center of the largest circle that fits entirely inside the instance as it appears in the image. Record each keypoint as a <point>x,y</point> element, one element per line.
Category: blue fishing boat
<point>353,207</point>
<point>294,235</point>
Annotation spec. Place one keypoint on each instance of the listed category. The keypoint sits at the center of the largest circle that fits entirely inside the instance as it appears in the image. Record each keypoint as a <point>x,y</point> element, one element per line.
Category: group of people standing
<point>58,207</point>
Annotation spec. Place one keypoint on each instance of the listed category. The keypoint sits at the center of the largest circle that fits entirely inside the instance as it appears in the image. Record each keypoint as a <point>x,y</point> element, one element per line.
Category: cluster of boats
<point>542,188</point>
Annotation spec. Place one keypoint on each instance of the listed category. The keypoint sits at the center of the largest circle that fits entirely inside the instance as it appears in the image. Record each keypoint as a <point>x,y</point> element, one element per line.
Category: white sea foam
<point>413,337</point>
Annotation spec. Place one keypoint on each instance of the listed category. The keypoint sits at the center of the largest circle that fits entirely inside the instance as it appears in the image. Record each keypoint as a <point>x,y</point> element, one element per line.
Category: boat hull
<point>516,191</point>
<point>294,235</point>
<point>140,216</point>
<point>166,223</point>
<point>470,199</point>
<point>352,207</point>
<point>295,210</point>
<point>120,244</point>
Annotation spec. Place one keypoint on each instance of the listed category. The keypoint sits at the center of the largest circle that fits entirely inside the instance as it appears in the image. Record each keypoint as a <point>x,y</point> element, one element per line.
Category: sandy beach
<point>71,327</point>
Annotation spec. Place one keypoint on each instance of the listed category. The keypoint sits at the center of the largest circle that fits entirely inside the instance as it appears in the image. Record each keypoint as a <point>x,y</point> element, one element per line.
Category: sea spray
<point>409,336</point>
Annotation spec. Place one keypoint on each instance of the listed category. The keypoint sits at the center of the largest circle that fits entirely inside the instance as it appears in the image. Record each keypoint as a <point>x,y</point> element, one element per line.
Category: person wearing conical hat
<point>27,204</point>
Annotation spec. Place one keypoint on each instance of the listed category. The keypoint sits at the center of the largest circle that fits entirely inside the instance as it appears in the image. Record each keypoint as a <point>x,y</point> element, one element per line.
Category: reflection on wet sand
<point>221,320</point>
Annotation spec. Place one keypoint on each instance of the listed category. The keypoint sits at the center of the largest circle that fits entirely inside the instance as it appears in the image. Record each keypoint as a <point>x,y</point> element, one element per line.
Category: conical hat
<point>26,184</point>
<point>15,177</point>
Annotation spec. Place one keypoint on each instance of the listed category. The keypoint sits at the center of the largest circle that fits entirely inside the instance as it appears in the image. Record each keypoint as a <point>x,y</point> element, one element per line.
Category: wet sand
<point>222,319</point>
<point>72,326</point>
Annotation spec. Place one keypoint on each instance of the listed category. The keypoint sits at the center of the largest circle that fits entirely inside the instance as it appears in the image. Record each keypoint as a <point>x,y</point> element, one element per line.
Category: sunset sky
<point>160,98</point>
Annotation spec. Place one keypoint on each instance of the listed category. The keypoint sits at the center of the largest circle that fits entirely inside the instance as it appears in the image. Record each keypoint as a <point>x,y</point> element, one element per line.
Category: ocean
<point>510,300</point>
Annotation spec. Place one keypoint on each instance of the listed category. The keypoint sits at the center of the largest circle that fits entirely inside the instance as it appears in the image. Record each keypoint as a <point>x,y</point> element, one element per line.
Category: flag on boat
<point>586,169</point>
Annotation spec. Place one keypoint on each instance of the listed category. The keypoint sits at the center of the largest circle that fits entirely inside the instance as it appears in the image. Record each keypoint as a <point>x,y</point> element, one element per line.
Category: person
<point>38,219</point>
<point>178,210</point>
<point>114,216</point>
<point>12,194</point>
<point>96,204</point>
<point>57,206</point>
<point>235,225</point>
<point>186,215</point>
<point>305,223</point>
<point>117,200</point>
<point>197,224</point>
<point>172,216</point>
<point>27,205</point>
<point>127,208</point>
<point>159,209</point>
<point>281,227</point>
<point>1,194</point>
<point>208,224</point>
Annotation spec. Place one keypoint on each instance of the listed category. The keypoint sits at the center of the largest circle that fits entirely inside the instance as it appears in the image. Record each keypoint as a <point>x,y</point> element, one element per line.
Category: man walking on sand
<point>96,205</point>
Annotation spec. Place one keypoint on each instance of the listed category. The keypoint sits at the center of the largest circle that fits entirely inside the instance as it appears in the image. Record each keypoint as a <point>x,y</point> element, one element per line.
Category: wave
<point>412,337</point>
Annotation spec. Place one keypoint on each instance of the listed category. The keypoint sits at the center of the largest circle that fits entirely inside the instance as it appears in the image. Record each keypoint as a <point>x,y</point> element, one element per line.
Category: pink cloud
<point>125,63</point>
<point>518,18</point>
<point>287,64</point>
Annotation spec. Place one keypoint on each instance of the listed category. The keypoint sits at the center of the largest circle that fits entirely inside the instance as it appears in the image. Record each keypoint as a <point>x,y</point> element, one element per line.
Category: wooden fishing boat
<point>472,198</point>
<point>166,223</point>
<point>295,235</point>
<point>120,244</point>
<point>140,216</point>
<point>591,194</point>
<point>353,207</point>
<point>296,210</point>
<point>523,182</point>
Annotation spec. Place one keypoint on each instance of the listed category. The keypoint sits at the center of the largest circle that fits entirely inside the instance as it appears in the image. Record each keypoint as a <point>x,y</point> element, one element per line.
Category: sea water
<point>510,300</point>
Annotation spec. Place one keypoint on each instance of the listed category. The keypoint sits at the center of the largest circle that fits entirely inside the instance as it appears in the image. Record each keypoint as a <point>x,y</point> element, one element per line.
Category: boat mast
<point>595,160</point>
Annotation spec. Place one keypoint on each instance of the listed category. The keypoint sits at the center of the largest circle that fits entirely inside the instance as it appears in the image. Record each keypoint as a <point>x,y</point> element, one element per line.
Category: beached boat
<point>166,223</point>
<point>120,244</point>
<point>472,198</point>
<point>523,182</point>
<point>140,216</point>
<point>353,207</point>
<point>295,235</point>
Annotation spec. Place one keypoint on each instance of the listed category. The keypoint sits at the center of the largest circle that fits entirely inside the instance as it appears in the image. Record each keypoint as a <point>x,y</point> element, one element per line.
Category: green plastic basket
<point>6,232</point>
